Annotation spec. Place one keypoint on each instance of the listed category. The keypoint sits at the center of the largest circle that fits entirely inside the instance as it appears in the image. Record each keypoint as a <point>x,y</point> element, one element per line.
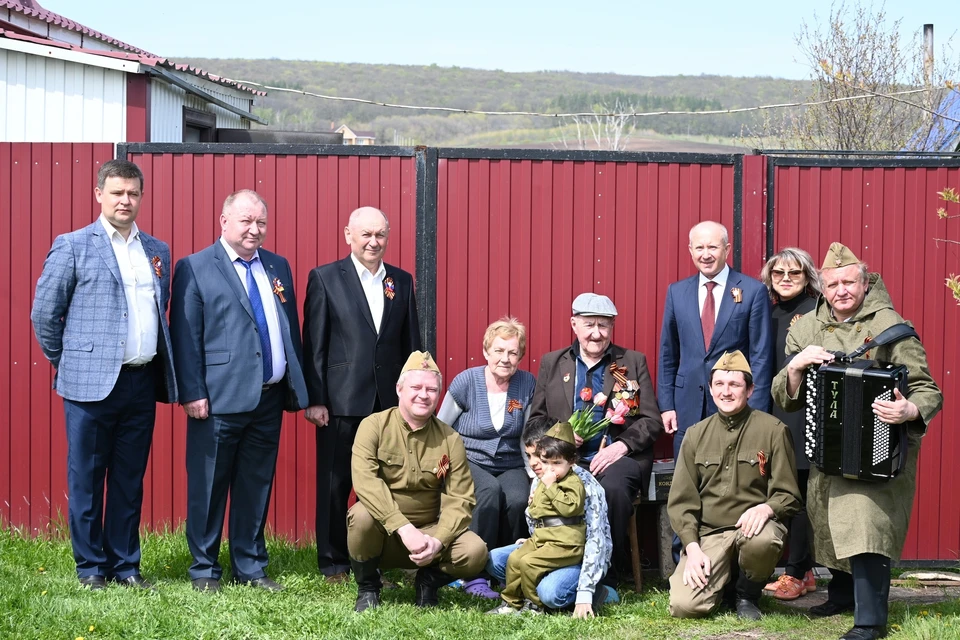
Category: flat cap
<point>733,361</point>
<point>839,256</point>
<point>420,361</point>
<point>592,304</point>
<point>561,431</point>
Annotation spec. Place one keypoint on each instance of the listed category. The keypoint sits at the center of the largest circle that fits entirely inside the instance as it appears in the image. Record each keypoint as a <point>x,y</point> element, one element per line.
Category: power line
<point>590,114</point>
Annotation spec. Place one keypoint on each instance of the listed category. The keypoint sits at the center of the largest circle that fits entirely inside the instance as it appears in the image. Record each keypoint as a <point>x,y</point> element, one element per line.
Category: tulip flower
<point>586,393</point>
<point>600,399</point>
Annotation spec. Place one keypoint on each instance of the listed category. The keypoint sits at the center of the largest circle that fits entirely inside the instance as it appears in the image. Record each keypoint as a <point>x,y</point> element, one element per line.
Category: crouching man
<point>734,484</point>
<point>414,494</point>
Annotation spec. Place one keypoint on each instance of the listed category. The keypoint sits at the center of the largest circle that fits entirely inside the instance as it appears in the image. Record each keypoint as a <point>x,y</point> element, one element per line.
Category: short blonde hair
<point>792,255</point>
<point>506,327</point>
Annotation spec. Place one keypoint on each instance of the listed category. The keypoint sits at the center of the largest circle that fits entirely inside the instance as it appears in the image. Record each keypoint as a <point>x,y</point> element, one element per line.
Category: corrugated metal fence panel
<point>524,237</point>
<point>887,215</point>
<point>310,199</point>
<point>45,190</point>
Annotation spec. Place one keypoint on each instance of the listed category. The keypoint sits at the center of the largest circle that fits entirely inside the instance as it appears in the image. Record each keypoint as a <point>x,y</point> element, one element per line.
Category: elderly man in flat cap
<point>572,379</point>
<point>859,526</point>
<point>414,494</point>
<point>734,484</point>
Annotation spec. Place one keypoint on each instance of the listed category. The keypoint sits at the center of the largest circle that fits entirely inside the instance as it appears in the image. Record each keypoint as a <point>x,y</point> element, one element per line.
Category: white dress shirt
<point>270,309</point>
<point>372,284</point>
<point>143,315</point>
<point>721,280</point>
<point>498,407</point>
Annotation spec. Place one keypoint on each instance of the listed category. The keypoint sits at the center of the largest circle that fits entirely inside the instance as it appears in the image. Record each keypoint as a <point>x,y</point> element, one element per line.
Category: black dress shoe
<point>865,633</point>
<point>264,583</point>
<point>748,610</point>
<point>94,583</point>
<point>367,600</point>
<point>830,608</point>
<point>206,584</point>
<point>135,581</point>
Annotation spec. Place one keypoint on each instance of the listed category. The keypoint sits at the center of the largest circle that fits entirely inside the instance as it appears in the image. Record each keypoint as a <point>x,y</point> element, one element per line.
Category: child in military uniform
<point>559,534</point>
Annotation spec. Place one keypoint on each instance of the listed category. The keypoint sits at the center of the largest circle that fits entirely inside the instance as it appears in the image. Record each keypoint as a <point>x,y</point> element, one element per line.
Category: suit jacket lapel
<point>726,305</point>
<point>388,304</point>
<point>229,273</point>
<point>272,274</point>
<point>150,250</point>
<point>352,282</point>
<point>568,370</point>
<point>102,242</point>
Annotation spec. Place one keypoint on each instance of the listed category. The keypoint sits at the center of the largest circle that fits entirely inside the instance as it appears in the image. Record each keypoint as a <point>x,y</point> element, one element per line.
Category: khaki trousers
<point>756,556</point>
<point>527,565</point>
<point>367,539</point>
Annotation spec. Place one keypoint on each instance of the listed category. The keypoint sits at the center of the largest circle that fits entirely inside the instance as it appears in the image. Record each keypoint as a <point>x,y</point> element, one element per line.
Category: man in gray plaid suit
<point>99,315</point>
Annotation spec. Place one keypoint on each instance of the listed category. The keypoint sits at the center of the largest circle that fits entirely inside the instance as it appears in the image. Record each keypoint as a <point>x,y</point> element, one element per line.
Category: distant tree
<point>858,51</point>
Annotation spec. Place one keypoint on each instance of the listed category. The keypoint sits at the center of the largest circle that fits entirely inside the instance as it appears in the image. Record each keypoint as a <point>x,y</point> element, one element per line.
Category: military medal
<point>762,462</point>
<point>737,294</point>
<point>442,467</point>
<point>513,405</point>
<point>278,290</point>
<point>566,377</point>
<point>157,266</point>
<point>389,289</point>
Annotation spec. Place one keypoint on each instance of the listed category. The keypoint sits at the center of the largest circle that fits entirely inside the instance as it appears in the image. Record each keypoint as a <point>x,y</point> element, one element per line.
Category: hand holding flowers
<point>583,422</point>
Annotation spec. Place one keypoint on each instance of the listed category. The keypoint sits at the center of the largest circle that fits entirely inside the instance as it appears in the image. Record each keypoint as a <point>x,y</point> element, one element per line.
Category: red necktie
<point>708,315</point>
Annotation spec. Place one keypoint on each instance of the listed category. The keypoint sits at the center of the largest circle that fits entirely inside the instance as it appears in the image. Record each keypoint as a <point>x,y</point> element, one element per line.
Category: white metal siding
<point>48,100</point>
<point>167,102</point>
<point>166,112</point>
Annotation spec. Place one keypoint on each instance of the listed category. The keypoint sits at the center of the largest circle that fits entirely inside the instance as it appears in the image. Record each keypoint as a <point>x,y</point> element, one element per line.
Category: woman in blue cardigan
<point>488,407</point>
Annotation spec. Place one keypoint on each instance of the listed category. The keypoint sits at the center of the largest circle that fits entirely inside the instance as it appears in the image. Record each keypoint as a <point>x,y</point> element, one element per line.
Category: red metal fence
<point>486,233</point>
<point>886,212</point>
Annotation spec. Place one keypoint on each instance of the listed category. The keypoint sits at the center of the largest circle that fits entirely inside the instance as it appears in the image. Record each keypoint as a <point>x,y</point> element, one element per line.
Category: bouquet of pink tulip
<point>582,421</point>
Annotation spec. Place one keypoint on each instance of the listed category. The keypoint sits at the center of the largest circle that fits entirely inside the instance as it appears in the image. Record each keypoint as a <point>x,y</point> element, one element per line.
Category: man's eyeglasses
<point>778,274</point>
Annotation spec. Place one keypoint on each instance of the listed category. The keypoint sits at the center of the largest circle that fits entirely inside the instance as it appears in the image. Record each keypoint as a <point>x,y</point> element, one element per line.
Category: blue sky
<point>642,37</point>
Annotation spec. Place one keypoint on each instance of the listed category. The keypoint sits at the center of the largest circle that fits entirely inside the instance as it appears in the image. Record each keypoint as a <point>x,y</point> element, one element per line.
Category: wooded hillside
<point>545,91</point>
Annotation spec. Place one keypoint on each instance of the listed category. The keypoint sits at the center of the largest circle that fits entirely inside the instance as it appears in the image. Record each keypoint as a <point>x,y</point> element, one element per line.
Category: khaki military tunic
<point>718,477</point>
<point>399,480</point>
<point>549,548</point>
<point>850,517</point>
<point>727,465</point>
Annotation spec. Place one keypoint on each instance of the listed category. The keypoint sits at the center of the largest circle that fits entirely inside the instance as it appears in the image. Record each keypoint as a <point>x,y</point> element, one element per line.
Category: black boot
<point>748,597</point>
<point>429,580</point>
<point>367,575</point>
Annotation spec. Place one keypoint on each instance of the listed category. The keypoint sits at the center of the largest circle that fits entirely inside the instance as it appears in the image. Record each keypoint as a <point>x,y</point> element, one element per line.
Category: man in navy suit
<point>100,316</point>
<point>715,311</point>
<point>235,328</point>
<point>359,326</point>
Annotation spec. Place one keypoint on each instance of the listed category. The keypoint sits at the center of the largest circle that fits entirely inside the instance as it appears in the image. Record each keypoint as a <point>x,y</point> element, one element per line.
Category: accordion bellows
<point>843,437</point>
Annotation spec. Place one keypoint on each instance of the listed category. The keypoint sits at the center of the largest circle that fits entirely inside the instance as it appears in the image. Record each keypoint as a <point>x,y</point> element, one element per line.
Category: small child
<point>559,533</point>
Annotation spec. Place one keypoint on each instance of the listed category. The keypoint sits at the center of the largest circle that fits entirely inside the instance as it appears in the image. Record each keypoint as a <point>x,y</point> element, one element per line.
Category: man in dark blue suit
<point>715,311</point>
<point>100,316</point>
<point>235,328</point>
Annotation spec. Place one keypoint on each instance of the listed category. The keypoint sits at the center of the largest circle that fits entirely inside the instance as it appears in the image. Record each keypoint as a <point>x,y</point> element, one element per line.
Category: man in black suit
<point>359,326</point>
<point>234,327</point>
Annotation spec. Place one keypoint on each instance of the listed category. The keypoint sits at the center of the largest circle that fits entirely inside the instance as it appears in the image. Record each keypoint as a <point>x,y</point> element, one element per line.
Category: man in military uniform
<point>414,494</point>
<point>859,526</point>
<point>735,483</point>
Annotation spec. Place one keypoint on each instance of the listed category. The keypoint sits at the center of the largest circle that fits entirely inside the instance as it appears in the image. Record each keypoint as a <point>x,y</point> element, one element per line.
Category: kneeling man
<point>414,494</point>
<point>734,484</point>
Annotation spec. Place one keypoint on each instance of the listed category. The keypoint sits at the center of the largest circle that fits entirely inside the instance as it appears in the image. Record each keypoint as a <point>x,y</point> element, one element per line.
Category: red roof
<point>33,9</point>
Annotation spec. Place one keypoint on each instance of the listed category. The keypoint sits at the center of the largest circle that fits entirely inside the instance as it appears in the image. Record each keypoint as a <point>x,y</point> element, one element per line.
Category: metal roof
<point>32,9</point>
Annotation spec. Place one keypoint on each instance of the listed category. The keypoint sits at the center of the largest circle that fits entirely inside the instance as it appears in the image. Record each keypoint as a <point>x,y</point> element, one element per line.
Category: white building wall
<point>47,100</point>
<point>166,112</point>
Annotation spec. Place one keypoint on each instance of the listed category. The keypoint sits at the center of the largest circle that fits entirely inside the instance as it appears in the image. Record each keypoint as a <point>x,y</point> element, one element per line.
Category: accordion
<point>842,435</point>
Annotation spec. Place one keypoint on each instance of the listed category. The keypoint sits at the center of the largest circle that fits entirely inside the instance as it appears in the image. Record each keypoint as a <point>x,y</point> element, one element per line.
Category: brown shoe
<point>789,588</point>
<point>338,578</point>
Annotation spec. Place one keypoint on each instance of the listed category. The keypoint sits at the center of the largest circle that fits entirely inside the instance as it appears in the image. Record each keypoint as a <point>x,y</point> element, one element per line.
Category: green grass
<point>40,598</point>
